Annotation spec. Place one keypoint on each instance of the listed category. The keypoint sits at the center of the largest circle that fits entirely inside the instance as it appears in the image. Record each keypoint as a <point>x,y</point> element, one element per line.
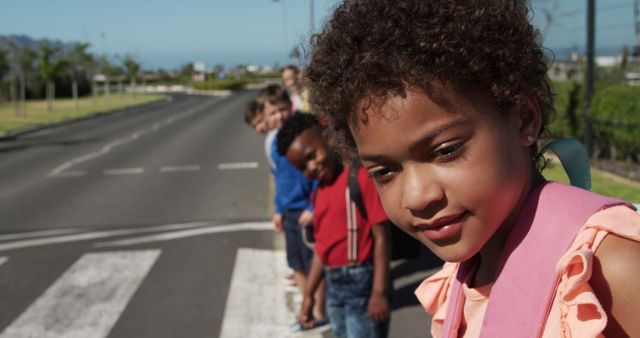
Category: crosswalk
<point>89,297</point>
<point>87,300</point>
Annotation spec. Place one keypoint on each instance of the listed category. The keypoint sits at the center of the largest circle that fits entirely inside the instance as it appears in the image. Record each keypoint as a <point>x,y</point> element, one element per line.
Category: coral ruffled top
<point>575,309</point>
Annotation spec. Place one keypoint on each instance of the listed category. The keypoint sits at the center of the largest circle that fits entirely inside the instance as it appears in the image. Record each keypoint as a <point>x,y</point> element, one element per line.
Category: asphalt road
<point>139,224</point>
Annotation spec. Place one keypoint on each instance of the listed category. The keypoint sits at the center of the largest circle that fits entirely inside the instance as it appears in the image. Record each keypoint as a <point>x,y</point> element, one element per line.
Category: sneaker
<point>288,280</point>
<point>319,326</point>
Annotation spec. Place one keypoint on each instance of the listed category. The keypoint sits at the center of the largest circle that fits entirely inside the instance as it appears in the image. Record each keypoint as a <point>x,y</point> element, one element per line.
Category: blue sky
<point>168,33</point>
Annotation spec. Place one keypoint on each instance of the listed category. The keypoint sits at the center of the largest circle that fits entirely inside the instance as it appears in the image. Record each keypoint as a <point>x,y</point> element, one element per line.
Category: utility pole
<point>311,28</point>
<point>591,18</point>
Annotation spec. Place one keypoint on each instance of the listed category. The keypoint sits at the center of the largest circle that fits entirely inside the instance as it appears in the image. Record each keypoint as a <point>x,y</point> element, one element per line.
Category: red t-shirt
<point>330,219</point>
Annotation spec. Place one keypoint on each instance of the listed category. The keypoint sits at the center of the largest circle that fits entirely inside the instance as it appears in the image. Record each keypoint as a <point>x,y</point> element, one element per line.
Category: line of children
<point>351,251</point>
<point>293,208</point>
<point>443,101</point>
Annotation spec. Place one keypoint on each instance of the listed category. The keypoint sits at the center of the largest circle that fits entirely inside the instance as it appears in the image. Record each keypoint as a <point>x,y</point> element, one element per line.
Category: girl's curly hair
<point>376,48</point>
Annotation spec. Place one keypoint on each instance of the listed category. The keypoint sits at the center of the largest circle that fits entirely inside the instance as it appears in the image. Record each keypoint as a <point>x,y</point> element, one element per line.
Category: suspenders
<point>353,200</point>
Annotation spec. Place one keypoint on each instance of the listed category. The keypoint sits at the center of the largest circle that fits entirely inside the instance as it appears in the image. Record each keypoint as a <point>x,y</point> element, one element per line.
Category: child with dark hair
<point>351,247</point>
<point>254,117</point>
<point>443,101</point>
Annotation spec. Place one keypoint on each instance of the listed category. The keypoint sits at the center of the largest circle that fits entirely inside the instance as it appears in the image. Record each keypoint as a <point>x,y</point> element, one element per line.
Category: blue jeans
<point>348,292</point>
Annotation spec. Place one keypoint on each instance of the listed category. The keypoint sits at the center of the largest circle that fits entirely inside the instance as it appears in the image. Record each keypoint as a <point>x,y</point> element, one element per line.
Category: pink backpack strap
<point>456,302</point>
<point>526,281</point>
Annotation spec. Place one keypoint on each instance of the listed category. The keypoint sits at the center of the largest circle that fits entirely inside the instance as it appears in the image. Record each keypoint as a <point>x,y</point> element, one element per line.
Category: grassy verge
<point>37,114</point>
<point>602,183</point>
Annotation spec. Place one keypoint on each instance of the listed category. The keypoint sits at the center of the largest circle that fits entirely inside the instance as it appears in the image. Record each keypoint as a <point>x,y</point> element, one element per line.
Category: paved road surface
<point>150,223</point>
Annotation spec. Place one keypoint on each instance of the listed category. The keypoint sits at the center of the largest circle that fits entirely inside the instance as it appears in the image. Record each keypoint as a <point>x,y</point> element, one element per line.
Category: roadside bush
<point>615,112</point>
<point>215,84</point>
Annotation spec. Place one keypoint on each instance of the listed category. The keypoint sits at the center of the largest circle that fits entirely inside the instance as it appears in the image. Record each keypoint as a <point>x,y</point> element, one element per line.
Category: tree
<point>109,71</point>
<point>4,66</point>
<point>26,57</point>
<point>50,67</point>
<point>79,61</point>
<point>295,54</point>
<point>132,70</point>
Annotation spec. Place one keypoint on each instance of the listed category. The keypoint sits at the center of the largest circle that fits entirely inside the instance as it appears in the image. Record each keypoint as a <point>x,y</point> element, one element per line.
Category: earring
<point>530,139</point>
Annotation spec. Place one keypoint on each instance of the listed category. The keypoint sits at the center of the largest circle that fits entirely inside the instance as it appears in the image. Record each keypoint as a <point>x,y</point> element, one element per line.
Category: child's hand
<point>305,218</point>
<point>378,307</point>
<point>306,317</point>
<point>277,222</point>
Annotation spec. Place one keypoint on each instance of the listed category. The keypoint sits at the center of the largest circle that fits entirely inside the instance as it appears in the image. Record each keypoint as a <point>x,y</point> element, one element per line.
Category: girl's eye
<point>382,175</point>
<point>448,153</point>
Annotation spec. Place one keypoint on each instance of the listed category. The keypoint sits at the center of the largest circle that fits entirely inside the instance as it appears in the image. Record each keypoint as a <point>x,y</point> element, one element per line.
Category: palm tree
<point>132,70</point>
<point>25,59</point>
<point>4,66</point>
<point>78,60</point>
<point>50,68</point>
<point>108,71</point>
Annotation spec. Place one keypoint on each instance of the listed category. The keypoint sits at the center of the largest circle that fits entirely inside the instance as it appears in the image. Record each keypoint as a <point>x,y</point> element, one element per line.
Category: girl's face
<point>450,169</point>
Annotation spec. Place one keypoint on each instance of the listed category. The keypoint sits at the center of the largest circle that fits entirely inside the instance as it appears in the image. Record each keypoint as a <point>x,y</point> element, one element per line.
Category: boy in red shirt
<point>351,249</point>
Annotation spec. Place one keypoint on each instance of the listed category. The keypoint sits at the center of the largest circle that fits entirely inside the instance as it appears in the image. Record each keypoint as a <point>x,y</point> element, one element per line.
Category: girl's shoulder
<point>616,271</point>
<point>599,277</point>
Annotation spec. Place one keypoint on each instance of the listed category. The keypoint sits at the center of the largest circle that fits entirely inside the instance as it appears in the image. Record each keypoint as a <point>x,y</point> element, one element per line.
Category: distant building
<point>564,71</point>
<point>199,72</point>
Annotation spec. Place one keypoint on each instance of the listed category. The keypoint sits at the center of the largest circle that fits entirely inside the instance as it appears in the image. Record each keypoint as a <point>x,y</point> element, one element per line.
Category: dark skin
<point>310,154</point>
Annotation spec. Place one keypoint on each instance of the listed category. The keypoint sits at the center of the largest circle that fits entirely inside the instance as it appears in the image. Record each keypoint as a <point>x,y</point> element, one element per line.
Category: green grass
<point>601,183</point>
<point>37,114</point>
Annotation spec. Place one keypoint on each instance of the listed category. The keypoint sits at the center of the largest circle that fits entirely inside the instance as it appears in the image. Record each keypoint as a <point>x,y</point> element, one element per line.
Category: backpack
<point>403,246</point>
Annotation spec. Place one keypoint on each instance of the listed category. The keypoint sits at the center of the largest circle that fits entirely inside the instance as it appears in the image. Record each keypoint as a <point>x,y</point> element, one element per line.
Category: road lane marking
<point>267,315</point>
<point>124,171</point>
<point>111,145</point>
<point>3,260</point>
<point>42,233</point>
<point>238,165</point>
<point>212,229</point>
<point>179,168</point>
<point>95,235</point>
<point>89,297</point>
<point>69,173</point>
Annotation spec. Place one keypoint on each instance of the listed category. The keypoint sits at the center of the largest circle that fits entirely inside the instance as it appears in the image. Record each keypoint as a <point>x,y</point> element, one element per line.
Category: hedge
<point>615,112</point>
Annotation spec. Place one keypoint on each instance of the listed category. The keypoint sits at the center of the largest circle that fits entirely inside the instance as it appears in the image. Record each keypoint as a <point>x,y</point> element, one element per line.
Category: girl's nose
<point>420,189</point>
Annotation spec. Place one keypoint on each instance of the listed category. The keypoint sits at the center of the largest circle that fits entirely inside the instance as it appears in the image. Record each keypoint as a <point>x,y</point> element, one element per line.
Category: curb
<point>14,134</point>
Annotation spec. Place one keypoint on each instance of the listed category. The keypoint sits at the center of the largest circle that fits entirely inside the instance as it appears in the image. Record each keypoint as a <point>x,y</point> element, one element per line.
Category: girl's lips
<point>443,228</point>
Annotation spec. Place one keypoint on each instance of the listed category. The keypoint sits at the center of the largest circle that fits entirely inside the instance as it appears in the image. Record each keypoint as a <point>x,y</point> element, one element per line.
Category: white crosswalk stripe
<point>267,316</point>
<point>3,260</point>
<point>87,300</point>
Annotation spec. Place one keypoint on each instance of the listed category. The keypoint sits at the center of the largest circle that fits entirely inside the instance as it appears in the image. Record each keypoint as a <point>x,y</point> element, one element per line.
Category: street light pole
<point>590,75</point>
<point>311,28</point>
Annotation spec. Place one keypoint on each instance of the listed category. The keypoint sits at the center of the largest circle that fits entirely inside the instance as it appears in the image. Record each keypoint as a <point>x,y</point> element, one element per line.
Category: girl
<point>443,102</point>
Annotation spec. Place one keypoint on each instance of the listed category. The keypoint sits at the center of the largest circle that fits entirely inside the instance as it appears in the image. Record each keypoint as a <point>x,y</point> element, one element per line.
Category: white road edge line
<point>179,168</point>
<point>268,315</point>
<point>124,171</point>
<point>212,229</point>
<point>88,299</point>
<point>96,235</point>
<point>3,260</point>
<point>238,165</point>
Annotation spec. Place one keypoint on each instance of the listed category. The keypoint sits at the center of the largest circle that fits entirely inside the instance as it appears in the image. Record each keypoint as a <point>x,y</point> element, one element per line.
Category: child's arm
<point>379,302</point>
<point>314,279</point>
<point>615,280</point>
